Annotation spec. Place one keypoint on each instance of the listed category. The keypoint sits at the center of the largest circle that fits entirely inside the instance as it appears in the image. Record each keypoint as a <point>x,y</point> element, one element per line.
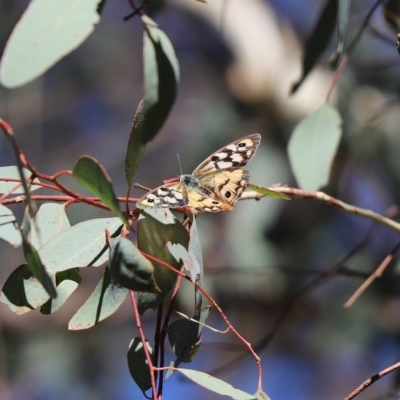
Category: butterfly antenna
<point>179,162</point>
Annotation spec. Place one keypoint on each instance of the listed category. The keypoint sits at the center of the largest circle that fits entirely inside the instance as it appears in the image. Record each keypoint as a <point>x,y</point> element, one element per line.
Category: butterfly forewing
<point>233,156</point>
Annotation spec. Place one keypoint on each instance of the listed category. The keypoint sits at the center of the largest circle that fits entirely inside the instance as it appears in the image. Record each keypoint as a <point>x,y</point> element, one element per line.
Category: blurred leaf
<point>103,302</point>
<point>161,77</point>
<point>215,385</point>
<point>318,41</point>
<point>50,220</point>
<point>343,23</point>
<point>129,268</point>
<point>66,283</point>
<point>313,145</point>
<point>268,192</point>
<point>391,12</point>
<point>91,174</point>
<point>138,365</point>
<point>37,269</point>
<point>155,229</point>
<point>8,227</point>
<point>79,245</point>
<point>11,172</point>
<point>47,31</point>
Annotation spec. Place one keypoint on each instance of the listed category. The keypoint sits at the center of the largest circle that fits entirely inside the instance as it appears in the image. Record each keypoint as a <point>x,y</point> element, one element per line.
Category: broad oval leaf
<point>79,246</point>
<point>91,174</point>
<point>161,78</point>
<point>8,227</point>
<point>103,302</point>
<point>50,220</point>
<point>313,146</point>
<point>47,31</point>
<point>129,268</point>
<point>12,172</point>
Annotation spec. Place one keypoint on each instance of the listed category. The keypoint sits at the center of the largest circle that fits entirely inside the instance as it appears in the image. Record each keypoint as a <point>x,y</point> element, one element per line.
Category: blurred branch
<point>371,380</point>
<point>376,274</point>
<point>331,201</point>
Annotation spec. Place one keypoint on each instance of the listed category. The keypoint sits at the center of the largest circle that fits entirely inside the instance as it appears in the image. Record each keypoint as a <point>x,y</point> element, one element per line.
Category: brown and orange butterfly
<point>215,185</point>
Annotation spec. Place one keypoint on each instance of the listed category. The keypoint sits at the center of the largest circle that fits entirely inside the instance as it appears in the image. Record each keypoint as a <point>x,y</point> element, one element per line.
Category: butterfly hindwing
<point>167,196</point>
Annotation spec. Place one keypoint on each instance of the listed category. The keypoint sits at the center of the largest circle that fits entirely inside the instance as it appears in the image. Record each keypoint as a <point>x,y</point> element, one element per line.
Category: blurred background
<point>238,60</point>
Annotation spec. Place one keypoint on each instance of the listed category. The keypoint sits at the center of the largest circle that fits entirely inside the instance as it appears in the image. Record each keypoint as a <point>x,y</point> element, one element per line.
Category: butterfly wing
<point>201,202</point>
<point>167,196</point>
<point>233,156</point>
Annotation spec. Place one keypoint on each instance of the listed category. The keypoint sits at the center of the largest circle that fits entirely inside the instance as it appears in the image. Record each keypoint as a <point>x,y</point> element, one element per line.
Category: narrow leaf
<point>91,174</point>
<point>343,23</point>
<point>318,40</point>
<point>268,192</point>
<point>313,146</point>
<point>47,31</point>
<point>161,77</point>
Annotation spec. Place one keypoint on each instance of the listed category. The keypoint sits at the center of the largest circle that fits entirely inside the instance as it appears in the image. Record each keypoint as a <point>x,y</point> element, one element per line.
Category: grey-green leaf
<point>129,268</point>
<point>268,192</point>
<point>215,385</point>
<point>12,172</point>
<point>91,174</point>
<point>138,365</point>
<point>313,145</point>
<point>103,302</point>
<point>161,77</point>
<point>8,227</point>
<point>47,31</point>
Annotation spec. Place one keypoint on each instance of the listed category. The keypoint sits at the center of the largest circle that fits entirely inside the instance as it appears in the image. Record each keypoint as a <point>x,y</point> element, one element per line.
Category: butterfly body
<point>215,185</point>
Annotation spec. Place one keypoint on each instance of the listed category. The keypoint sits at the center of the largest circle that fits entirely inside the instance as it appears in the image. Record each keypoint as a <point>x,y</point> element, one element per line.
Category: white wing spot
<point>171,200</point>
<point>224,164</point>
<point>221,156</point>
<point>231,147</point>
<point>236,157</point>
<point>179,195</point>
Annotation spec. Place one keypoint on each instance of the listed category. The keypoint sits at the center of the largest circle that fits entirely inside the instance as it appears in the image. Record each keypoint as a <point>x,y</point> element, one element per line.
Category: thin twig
<point>371,380</point>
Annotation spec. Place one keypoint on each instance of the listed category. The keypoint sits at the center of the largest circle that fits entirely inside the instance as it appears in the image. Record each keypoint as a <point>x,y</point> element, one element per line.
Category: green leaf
<point>11,172</point>
<point>129,268</point>
<point>37,269</point>
<point>138,365</point>
<point>268,192</point>
<point>79,246</point>
<point>343,23</point>
<point>161,77</point>
<point>67,282</point>
<point>8,227</point>
<point>103,302</point>
<point>215,385</point>
<point>91,174</point>
<point>319,40</point>
<point>47,31</point>
<point>313,146</point>
<point>155,229</point>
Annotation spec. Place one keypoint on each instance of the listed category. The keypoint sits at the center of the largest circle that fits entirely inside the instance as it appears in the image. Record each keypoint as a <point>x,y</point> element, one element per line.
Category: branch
<point>371,380</point>
<point>331,201</point>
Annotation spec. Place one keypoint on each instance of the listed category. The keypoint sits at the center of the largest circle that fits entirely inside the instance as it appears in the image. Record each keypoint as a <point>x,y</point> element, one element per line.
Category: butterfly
<point>215,185</point>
